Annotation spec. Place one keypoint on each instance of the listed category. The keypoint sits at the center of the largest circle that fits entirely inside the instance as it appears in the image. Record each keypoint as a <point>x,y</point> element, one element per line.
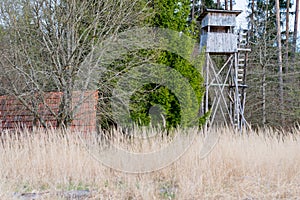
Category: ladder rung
<point>244,49</point>
<point>239,85</point>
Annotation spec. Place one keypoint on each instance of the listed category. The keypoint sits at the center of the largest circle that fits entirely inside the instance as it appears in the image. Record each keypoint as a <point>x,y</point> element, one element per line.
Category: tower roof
<point>230,12</point>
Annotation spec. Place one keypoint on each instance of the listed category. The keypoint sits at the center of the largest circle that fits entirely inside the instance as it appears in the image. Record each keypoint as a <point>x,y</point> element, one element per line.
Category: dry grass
<point>257,165</point>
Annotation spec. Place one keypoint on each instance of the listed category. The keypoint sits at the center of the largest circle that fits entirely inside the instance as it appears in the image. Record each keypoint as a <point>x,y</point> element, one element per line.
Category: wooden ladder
<point>240,79</point>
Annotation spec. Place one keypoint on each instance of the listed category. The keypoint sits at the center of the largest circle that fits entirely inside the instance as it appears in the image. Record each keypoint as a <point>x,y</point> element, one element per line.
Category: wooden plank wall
<point>219,42</point>
<point>13,114</point>
<point>219,19</point>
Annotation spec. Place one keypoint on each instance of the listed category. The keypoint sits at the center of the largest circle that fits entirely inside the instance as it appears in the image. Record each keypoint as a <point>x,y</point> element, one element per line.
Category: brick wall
<point>14,114</point>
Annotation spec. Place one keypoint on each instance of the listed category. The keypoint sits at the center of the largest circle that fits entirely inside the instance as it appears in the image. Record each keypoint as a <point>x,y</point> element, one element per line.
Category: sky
<point>241,19</point>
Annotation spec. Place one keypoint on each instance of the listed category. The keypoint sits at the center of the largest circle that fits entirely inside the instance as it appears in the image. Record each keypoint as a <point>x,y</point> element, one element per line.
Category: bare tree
<point>279,51</point>
<point>266,75</point>
<point>295,31</point>
<point>47,41</point>
<point>262,71</point>
<point>252,19</point>
<point>287,36</point>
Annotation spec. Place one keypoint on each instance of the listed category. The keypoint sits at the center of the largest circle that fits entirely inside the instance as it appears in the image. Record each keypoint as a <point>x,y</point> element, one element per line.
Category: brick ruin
<point>13,114</point>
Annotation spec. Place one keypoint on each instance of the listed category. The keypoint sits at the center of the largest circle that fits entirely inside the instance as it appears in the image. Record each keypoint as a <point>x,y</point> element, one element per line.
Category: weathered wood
<point>217,31</point>
<point>218,38</point>
<point>219,42</point>
<point>218,19</point>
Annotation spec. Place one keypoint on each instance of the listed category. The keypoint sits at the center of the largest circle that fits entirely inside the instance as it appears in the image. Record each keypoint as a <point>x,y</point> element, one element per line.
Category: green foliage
<point>155,103</point>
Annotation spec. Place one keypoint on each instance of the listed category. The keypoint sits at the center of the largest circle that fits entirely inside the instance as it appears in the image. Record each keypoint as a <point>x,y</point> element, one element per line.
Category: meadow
<point>260,164</point>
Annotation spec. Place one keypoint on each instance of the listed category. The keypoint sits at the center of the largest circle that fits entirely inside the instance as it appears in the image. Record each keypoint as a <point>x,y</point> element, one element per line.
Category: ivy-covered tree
<point>155,103</point>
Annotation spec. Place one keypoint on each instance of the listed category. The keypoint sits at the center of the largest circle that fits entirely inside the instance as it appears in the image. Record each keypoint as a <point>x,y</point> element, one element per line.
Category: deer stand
<point>225,68</point>
<point>225,91</point>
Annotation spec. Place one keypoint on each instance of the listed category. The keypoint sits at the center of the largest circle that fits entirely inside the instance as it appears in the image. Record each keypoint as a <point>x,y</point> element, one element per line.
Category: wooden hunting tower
<point>225,69</point>
<point>217,31</point>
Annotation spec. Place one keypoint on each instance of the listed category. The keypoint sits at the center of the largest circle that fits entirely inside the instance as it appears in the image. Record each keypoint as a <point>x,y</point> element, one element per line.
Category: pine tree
<point>265,71</point>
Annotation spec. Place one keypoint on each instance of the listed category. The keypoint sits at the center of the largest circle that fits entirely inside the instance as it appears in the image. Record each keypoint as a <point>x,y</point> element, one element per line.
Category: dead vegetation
<point>255,165</point>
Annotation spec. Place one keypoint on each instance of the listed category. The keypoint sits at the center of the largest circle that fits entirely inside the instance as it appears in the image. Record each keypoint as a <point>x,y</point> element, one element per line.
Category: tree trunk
<point>226,4</point>
<point>252,19</point>
<point>193,10</point>
<point>287,36</point>
<point>263,93</point>
<point>295,31</point>
<point>231,5</point>
<point>218,4</point>
<point>280,78</point>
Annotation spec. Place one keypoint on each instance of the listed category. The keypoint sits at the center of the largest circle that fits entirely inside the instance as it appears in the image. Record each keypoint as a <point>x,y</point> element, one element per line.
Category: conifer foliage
<point>156,103</point>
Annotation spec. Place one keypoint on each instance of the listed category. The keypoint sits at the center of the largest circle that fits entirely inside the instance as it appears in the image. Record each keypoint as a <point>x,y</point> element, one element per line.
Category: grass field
<point>256,165</point>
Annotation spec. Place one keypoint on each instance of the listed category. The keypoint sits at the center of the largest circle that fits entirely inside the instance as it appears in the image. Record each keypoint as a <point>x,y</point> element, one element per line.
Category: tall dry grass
<point>256,165</point>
